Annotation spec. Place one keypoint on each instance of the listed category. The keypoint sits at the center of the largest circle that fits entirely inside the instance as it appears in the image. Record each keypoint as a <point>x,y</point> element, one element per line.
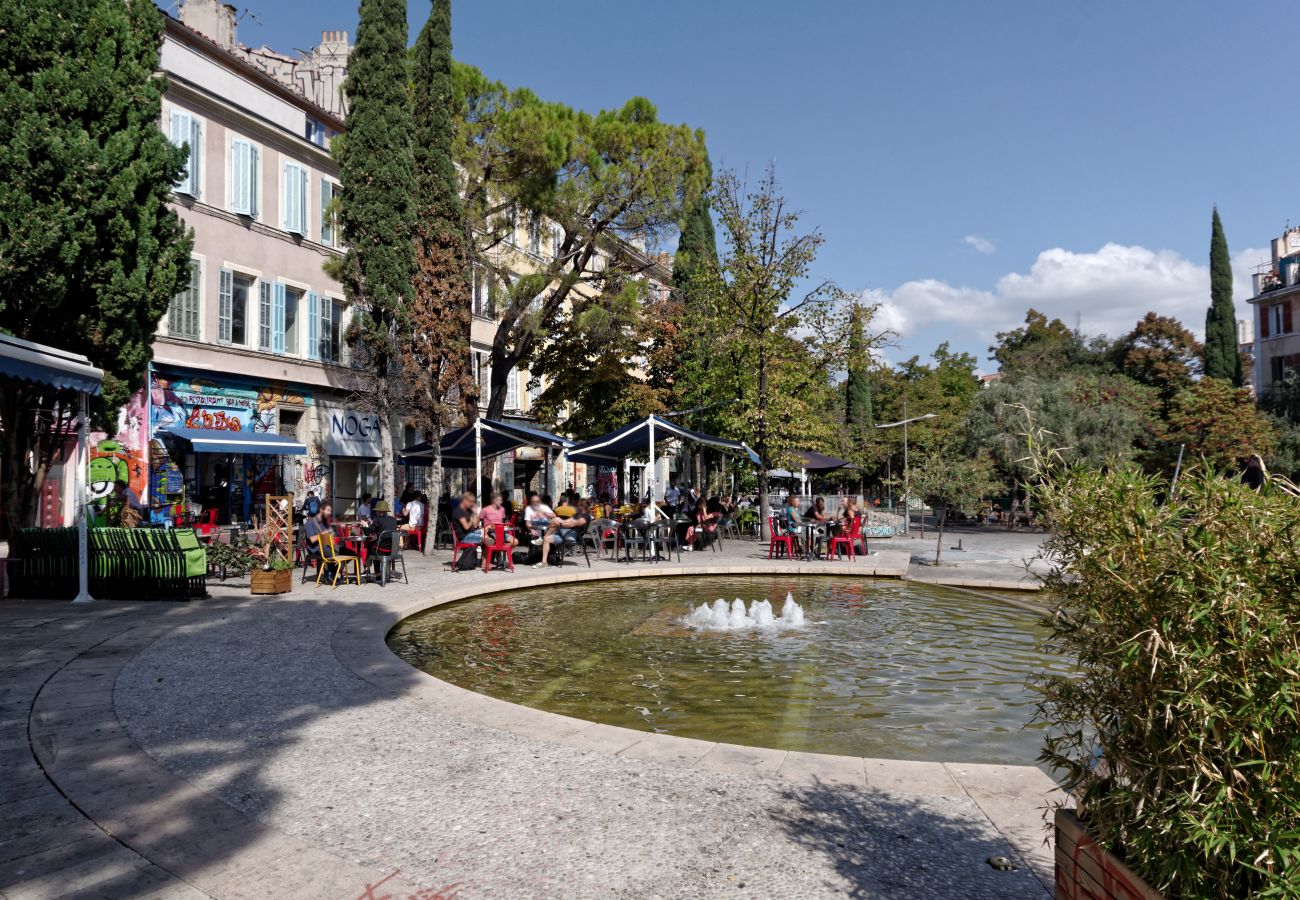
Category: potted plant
<point>1176,737</point>
<point>273,577</point>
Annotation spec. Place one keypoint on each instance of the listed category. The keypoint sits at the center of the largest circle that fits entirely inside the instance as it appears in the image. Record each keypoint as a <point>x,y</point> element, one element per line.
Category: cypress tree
<point>436,361</point>
<point>1221,357</point>
<point>697,247</point>
<point>858,412</point>
<point>376,212</point>
<point>90,252</point>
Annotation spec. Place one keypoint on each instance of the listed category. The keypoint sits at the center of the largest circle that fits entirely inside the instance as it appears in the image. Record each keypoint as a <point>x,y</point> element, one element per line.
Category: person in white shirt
<point>415,513</point>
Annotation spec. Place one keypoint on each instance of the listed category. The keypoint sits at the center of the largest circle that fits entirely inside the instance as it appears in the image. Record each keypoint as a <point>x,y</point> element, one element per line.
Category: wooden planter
<point>1086,871</point>
<point>276,581</point>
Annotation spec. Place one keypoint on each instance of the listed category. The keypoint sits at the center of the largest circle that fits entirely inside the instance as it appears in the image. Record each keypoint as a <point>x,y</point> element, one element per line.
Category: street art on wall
<point>123,457</point>
<point>182,402</point>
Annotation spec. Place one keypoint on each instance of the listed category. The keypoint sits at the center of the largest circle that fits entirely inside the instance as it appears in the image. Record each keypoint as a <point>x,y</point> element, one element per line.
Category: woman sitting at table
<point>790,520</point>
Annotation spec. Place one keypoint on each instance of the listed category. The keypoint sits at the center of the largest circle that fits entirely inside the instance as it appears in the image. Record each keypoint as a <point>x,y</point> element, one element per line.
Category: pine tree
<point>1221,357</point>
<point>377,214</point>
<point>436,359</point>
<point>90,252</point>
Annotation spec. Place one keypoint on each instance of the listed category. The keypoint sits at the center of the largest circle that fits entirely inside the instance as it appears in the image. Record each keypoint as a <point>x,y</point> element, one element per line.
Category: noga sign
<point>354,434</point>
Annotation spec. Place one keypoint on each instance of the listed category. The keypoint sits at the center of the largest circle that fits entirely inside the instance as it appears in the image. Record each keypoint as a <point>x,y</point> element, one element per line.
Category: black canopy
<point>498,437</point>
<point>610,449</point>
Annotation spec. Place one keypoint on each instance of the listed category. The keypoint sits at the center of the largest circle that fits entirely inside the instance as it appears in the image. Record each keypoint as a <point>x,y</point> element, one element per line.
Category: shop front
<point>354,441</point>
<point>216,443</point>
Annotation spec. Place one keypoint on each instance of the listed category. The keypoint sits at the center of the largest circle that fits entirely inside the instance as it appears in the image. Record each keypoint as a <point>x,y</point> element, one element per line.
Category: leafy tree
<point>604,180</point>
<point>1219,423</point>
<point>1222,360</point>
<point>1161,353</point>
<point>1095,420</point>
<point>436,361</point>
<point>377,211</point>
<point>774,349</point>
<point>1044,348</point>
<point>946,388</point>
<point>944,479</point>
<point>90,252</point>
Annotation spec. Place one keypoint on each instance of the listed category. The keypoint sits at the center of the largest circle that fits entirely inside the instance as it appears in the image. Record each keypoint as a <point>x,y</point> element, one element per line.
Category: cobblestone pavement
<point>248,747</point>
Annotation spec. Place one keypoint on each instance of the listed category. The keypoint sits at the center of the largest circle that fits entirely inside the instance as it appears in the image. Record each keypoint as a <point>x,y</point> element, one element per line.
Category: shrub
<point>1178,735</point>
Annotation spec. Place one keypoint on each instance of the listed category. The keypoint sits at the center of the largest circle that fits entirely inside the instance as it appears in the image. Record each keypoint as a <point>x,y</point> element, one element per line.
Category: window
<point>482,299</point>
<point>512,389</point>
<point>185,131</point>
<point>232,307</point>
<point>315,132</point>
<point>534,391</point>
<point>265,315</point>
<point>557,241</point>
<point>293,199</point>
<point>289,340</point>
<point>243,177</point>
<point>183,316</point>
<point>535,236</point>
<point>482,376</point>
<point>324,328</point>
<point>329,214</point>
<point>1280,318</point>
<point>512,224</point>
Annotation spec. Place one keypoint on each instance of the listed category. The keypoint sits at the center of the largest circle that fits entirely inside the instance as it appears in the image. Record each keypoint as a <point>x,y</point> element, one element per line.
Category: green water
<point>885,669</point>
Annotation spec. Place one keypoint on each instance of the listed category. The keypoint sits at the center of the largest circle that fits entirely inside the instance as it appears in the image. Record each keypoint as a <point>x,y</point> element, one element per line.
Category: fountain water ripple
<point>735,617</point>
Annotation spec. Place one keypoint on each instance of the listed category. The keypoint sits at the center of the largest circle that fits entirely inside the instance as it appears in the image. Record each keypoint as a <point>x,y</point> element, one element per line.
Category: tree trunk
<point>764,508</point>
<point>938,547</point>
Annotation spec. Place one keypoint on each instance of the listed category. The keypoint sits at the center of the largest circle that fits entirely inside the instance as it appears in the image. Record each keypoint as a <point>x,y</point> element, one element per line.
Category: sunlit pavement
<point>271,747</point>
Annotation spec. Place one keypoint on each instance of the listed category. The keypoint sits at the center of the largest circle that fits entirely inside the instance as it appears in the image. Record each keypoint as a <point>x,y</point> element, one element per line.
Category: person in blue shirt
<point>160,515</point>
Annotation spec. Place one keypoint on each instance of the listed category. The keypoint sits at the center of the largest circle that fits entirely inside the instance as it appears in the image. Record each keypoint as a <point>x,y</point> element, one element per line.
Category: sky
<point>964,161</point>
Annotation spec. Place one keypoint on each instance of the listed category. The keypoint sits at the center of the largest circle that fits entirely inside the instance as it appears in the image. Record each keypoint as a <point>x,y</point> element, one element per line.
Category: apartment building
<point>253,350</point>
<point>247,391</point>
<point>1274,314</point>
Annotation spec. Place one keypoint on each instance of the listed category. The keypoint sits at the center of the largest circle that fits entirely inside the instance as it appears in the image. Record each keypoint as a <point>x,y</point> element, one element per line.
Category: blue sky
<point>964,160</point>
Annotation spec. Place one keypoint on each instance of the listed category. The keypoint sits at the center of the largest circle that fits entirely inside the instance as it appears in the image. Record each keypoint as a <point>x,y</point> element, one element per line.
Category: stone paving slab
<point>273,747</point>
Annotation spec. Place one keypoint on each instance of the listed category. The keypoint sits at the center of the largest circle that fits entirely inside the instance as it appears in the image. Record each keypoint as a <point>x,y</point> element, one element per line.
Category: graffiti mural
<point>123,457</point>
<point>180,402</point>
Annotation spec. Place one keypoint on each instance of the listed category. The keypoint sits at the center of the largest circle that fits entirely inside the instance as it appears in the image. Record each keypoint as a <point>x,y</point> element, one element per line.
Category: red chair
<point>457,545</point>
<point>419,533</point>
<point>785,541</point>
<point>499,545</point>
<point>206,522</point>
<point>847,541</point>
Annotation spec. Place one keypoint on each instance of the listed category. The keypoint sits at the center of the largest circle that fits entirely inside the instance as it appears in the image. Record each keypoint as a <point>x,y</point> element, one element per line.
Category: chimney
<point>213,19</point>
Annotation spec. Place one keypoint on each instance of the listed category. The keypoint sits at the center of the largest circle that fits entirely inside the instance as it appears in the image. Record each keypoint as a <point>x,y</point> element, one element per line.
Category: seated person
<point>567,506</point>
<point>312,529</point>
<point>381,520</point>
<point>415,512</point>
<point>465,521</point>
<point>817,511</point>
<point>493,515</point>
<point>160,515</point>
<point>538,514</point>
<point>564,530</point>
<point>790,520</point>
<point>364,510</point>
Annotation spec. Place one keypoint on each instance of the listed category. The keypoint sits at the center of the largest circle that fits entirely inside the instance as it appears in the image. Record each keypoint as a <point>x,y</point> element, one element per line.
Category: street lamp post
<point>907,493</point>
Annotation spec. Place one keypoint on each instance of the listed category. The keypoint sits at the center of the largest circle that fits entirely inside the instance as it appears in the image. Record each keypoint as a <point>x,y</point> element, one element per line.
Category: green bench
<point>124,564</point>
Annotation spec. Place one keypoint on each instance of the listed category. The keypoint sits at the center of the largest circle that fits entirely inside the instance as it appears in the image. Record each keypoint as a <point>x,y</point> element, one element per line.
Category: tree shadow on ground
<point>157,729</point>
<point>902,846</point>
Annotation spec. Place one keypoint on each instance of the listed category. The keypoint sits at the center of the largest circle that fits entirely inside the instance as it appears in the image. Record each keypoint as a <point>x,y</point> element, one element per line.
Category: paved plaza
<point>272,747</point>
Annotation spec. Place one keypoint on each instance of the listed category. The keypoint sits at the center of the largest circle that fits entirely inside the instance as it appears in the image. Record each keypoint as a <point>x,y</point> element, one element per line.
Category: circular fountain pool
<point>880,669</point>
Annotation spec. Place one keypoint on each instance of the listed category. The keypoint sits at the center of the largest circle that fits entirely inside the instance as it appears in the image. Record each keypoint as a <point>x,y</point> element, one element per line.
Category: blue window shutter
<point>181,126</point>
<point>196,158</point>
<point>240,173</point>
<point>304,191</point>
<point>313,326</point>
<point>286,208</point>
<point>277,320</point>
<point>253,167</point>
<point>326,226</point>
<point>225,294</point>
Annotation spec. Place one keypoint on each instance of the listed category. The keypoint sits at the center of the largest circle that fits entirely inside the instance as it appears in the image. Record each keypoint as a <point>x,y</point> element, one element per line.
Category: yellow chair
<point>329,555</point>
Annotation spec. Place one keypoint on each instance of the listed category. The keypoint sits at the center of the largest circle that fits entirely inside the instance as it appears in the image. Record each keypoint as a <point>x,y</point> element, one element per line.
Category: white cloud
<point>980,244</point>
<point>1103,292</point>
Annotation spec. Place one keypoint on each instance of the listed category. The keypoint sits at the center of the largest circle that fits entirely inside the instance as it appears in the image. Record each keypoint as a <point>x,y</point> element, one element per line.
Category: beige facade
<point>1275,314</point>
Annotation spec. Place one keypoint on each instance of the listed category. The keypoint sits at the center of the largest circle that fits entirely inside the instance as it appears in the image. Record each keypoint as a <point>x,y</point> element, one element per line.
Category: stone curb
<point>1010,796</point>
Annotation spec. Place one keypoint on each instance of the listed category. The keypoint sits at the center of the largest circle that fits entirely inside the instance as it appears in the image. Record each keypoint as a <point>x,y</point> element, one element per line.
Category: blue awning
<point>205,441</point>
<point>611,449</point>
<point>40,364</point>
<point>498,437</point>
